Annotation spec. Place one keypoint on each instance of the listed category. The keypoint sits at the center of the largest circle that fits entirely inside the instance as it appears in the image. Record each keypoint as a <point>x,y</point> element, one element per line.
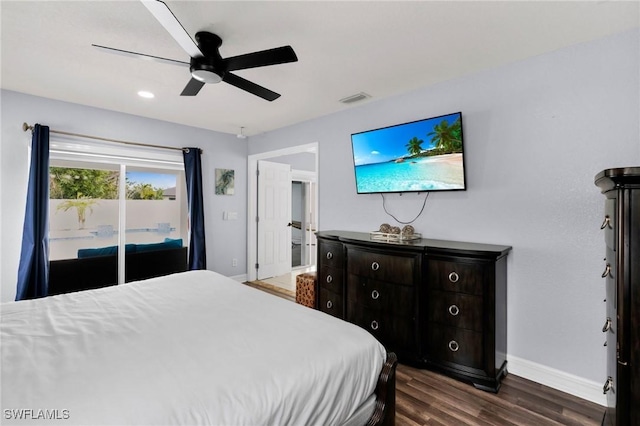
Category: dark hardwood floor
<point>424,397</point>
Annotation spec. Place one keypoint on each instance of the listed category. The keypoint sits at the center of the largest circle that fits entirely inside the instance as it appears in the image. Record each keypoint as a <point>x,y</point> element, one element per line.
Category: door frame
<point>252,196</point>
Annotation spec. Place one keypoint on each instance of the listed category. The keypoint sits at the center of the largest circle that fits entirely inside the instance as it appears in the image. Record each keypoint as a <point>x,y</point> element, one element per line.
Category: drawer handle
<point>606,223</point>
<point>454,310</point>
<point>375,294</point>
<point>454,346</point>
<point>607,325</point>
<point>375,266</point>
<point>329,279</point>
<point>374,325</point>
<point>607,271</point>
<point>607,385</point>
<point>329,304</point>
<point>329,255</point>
<point>454,277</point>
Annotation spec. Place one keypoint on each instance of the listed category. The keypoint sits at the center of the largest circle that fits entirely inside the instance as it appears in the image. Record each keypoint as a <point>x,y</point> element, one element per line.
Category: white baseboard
<point>240,278</point>
<point>565,382</point>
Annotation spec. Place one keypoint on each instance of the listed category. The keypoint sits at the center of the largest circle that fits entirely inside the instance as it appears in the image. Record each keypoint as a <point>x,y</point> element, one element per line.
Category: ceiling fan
<point>206,64</point>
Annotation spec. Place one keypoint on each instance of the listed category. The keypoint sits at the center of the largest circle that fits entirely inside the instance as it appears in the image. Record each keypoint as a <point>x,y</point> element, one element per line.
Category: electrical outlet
<point>234,262</point>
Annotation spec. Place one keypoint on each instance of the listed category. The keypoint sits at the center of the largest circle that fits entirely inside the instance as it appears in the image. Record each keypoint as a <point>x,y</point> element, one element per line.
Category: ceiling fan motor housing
<point>208,68</point>
<point>204,69</point>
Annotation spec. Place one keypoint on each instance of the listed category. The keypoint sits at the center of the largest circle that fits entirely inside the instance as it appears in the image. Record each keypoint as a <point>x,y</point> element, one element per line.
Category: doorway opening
<point>303,220</point>
<point>303,160</point>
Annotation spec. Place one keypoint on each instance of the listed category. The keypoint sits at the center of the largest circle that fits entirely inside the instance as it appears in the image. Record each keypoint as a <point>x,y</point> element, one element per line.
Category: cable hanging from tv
<point>398,220</point>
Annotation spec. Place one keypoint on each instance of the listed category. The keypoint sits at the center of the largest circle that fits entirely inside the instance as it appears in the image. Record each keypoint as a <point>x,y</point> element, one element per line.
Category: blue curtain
<point>33,270</point>
<point>193,172</point>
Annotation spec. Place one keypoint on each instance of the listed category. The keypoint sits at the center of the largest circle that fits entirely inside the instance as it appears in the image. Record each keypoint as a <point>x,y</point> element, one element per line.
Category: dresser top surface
<point>423,244</point>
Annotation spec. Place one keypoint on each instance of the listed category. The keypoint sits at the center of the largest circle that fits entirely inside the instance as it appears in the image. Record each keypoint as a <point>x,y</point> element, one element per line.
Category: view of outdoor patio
<point>85,209</point>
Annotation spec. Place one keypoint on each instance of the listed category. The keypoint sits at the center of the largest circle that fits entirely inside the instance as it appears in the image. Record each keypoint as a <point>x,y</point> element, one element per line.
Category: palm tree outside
<point>81,204</point>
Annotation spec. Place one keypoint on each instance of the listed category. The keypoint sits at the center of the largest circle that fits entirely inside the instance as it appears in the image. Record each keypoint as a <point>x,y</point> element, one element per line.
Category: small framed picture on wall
<point>225,181</point>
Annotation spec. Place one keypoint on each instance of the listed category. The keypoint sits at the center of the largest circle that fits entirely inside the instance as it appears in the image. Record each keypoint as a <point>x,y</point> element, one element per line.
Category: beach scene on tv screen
<point>424,155</point>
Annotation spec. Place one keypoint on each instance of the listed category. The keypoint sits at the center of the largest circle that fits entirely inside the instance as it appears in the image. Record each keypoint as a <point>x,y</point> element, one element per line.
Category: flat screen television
<point>419,156</point>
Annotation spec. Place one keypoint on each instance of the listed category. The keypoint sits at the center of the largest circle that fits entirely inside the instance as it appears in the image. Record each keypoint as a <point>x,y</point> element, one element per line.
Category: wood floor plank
<point>402,420</point>
<point>432,398</point>
<point>491,407</point>
<point>569,403</point>
<point>414,409</point>
<point>430,405</point>
<point>448,396</point>
<point>584,418</point>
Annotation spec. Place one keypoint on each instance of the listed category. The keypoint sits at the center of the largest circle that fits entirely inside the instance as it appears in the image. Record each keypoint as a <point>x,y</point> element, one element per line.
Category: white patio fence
<point>147,221</point>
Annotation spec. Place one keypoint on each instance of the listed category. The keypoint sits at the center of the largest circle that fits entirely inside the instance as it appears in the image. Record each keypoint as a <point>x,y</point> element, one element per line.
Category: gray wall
<point>536,133</point>
<point>302,161</point>
<point>225,240</point>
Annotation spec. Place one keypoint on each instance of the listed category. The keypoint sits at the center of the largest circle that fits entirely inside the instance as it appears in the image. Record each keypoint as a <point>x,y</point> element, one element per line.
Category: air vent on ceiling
<point>355,98</point>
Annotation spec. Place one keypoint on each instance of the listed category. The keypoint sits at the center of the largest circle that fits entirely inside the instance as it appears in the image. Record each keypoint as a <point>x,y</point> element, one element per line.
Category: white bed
<point>188,348</point>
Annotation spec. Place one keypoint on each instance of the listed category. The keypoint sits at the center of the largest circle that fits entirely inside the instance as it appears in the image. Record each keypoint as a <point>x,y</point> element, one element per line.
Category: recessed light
<point>145,94</point>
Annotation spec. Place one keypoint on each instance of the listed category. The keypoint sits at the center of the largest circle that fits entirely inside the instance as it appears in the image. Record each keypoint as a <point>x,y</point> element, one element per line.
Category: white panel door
<point>274,216</point>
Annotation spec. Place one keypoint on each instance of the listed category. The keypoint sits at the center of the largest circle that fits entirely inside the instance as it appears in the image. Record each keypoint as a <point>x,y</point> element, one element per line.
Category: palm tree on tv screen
<point>447,138</point>
<point>415,146</point>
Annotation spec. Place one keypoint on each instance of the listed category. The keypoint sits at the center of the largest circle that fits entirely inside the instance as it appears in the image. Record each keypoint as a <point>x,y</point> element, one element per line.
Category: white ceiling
<point>381,48</point>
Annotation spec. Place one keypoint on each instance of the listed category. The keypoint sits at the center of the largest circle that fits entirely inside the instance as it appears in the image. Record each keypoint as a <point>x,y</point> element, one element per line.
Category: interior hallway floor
<point>288,281</point>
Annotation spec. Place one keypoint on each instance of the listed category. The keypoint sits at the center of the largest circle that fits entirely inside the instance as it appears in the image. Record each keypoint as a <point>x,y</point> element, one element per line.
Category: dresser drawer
<point>330,254</point>
<point>381,296</point>
<point>331,279</point>
<point>460,277</point>
<point>455,310</point>
<point>395,333</point>
<point>331,303</point>
<point>396,268</point>
<point>456,345</point>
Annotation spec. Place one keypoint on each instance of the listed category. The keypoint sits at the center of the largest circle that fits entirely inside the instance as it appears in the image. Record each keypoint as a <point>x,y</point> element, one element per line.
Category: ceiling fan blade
<point>140,55</point>
<point>170,23</point>
<point>192,88</point>
<point>250,87</point>
<point>278,55</point>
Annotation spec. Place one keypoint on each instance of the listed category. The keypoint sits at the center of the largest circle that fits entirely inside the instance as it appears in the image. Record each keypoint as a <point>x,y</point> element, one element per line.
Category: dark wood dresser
<point>436,304</point>
<point>621,229</point>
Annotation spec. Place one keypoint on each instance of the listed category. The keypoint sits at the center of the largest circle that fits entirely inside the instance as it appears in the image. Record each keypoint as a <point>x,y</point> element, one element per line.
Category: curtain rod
<point>26,127</point>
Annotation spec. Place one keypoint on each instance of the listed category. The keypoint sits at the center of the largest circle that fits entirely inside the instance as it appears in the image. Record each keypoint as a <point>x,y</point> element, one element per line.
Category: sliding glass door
<point>102,205</point>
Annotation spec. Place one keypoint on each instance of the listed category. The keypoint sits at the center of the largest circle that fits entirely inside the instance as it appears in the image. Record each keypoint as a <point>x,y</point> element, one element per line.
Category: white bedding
<point>189,348</point>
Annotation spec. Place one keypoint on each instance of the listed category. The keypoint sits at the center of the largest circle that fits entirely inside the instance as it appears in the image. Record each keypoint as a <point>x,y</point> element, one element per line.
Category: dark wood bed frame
<point>384,413</point>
